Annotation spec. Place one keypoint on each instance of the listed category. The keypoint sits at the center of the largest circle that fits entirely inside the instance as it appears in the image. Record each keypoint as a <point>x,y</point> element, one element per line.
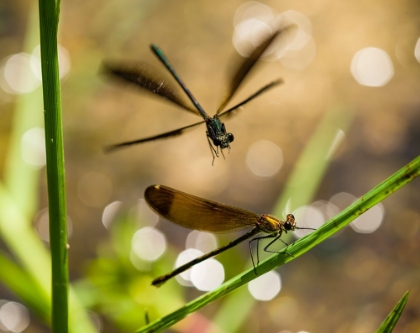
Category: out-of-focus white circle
<point>109,213</point>
<point>265,287</point>
<point>372,67</point>
<point>417,50</point>
<point>148,243</point>
<point>16,76</point>
<point>32,147</point>
<point>296,49</point>
<point>264,158</point>
<point>342,200</point>
<point>253,10</point>
<point>304,32</point>
<point>203,241</point>
<point>369,221</point>
<point>184,257</point>
<point>249,34</point>
<point>308,217</point>
<point>207,275</point>
<point>254,22</point>
<point>14,317</point>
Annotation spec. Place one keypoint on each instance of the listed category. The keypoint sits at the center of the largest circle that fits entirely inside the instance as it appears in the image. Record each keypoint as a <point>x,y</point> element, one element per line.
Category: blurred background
<point>346,118</point>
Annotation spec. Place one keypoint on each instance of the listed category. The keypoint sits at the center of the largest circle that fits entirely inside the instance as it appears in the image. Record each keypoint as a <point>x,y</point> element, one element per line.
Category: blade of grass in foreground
<point>49,11</point>
<point>391,320</point>
<point>370,199</point>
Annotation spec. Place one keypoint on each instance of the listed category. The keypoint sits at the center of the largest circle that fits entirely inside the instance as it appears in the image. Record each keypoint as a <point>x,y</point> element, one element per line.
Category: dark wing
<point>196,213</point>
<point>143,76</point>
<point>246,65</point>
<point>166,135</point>
<point>250,98</point>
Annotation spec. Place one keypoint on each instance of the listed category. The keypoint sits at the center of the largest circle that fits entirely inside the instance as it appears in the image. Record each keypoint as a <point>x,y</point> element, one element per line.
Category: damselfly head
<point>290,223</point>
<point>223,140</point>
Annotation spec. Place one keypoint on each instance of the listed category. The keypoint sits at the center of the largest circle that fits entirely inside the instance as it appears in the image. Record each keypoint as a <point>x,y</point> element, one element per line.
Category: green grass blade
<point>25,287</point>
<point>391,320</point>
<point>48,14</point>
<point>21,239</point>
<point>377,194</point>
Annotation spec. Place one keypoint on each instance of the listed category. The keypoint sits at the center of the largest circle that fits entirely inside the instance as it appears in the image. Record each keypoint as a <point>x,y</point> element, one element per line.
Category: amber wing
<point>196,213</point>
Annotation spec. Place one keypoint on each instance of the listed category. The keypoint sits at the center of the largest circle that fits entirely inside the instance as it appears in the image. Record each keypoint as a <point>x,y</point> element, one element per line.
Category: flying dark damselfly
<point>200,214</point>
<point>142,76</point>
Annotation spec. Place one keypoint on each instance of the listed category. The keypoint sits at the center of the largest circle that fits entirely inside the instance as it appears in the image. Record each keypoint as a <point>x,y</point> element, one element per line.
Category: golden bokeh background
<point>359,60</point>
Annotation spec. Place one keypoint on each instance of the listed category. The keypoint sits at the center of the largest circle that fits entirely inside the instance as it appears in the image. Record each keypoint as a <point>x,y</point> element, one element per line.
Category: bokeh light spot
<point>303,35</point>
<point>32,147</point>
<point>253,10</point>
<point>264,158</point>
<point>249,34</point>
<point>16,76</point>
<point>14,317</point>
<point>265,287</point>
<point>109,213</point>
<point>417,50</point>
<point>148,243</point>
<point>207,275</point>
<point>186,256</point>
<point>202,241</point>
<point>342,200</point>
<point>255,21</point>
<point>372,67</point>
<point>308,217</point>
<point>369,221</point>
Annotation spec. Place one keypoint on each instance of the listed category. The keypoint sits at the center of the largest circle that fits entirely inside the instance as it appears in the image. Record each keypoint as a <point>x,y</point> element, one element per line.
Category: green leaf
<point>391,320</point>
<point>48,18</point>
